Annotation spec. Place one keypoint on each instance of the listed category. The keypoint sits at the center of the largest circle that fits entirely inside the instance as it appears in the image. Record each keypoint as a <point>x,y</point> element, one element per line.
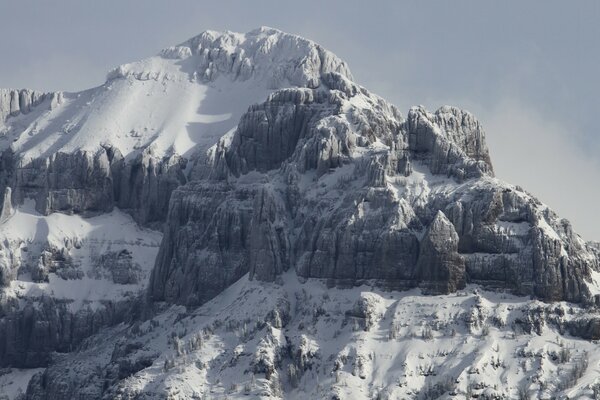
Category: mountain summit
<point>237,216</point>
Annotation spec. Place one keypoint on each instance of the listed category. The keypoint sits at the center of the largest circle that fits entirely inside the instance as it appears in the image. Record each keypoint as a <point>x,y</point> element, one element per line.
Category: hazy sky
<point>527,69</point>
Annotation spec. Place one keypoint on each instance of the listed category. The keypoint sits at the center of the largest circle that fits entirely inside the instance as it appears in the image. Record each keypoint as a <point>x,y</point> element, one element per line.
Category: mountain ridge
<point>271,174</point>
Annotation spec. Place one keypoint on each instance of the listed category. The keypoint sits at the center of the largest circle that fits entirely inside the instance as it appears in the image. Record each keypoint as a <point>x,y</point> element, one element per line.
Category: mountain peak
<point>294,206</point>
<point>265,52</point>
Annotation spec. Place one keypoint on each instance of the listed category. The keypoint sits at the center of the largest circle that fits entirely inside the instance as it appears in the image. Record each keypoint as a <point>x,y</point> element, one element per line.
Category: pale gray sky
<point>527,69</point>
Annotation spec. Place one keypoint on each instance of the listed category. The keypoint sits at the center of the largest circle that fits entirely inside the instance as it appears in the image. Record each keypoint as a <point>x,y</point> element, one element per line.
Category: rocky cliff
<point>263,162</point>
<point>338,186</point>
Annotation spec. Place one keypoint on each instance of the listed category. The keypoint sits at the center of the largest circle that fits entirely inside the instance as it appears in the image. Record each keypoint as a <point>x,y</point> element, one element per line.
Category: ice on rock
<point>315,242</point>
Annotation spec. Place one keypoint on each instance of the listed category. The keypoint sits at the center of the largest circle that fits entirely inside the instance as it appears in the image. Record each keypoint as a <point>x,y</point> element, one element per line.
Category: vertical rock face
<point>269,242</point>
<point>14,102</point>
<point>357,194</point>
<point>207,234</point>
<point>7,208</point>
<point>268,134</point>
<point>120,146</point>
<point>71,183</point>
<point>31,332</point>
<point>91,183</point>
<point>440,268</point>
<point>450,142</point>
<point>144,185</point>
<point>320,177</point>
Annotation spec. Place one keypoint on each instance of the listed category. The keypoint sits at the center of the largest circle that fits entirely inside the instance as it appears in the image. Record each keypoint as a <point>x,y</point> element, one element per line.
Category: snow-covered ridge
<point>179,102</point>
<point>83,261</point>
<point>296,340</point>
<point>273,174</point>
<point>266,54</point>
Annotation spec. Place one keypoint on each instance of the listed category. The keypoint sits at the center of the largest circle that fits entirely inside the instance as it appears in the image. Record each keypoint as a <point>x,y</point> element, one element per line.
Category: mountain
<point>238,217</point>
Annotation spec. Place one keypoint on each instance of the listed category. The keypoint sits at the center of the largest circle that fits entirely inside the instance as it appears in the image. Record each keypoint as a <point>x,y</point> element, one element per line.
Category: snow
<point>405,345</point>
<point>181,101</point>
<point>170,115</point>
<point>420,184</point>
<point>547,229</point>
<point>513,228</point>
<point>27,233</point>
<point>594,285</point>
<point>14,382</point>
<point>360,342</point>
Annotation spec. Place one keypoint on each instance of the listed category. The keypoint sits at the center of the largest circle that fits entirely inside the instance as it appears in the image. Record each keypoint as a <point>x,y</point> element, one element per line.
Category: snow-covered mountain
<point>237,217</point>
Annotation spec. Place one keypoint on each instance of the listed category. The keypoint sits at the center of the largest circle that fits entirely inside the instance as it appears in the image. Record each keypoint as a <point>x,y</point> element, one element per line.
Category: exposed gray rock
<point>206,242</point>
<point>31,330</point>
<point>269,242</point>
<point>7,208</point>
<point>269,133</point>
<point>440,268</point>
<point>450,142</point>
<point>14,102</point>
<point>144,185</point>
<point>323,178</point>
<point>330,181</point>
<point>120,267</point>
<point>91,183</point>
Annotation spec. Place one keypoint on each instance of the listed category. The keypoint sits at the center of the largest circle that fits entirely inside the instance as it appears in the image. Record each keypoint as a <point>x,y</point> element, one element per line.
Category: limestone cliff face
<point>450,141</point>
<point>14,102</point>
<point>207,240</point>
<point>92,183</point>
<point>116,147</point>
<point>440,267</point>
<point>320,177</point>
<point>31,332</point>
<point>339,186</point>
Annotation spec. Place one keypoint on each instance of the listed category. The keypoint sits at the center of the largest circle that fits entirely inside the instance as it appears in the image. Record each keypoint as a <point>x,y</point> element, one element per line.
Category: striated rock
<point>269,133</point>
<point>356,185</point>
<point>143,186</point>
<point>269,242</point>
<point>7,208</point>
<point>92,183</point>
<point>14,102</point>
<point>440,268</point>
<point>450,142</point>
<point>31,332</point>
<point>321,177</point>
<point>70,183</point>
<point>206,237</point>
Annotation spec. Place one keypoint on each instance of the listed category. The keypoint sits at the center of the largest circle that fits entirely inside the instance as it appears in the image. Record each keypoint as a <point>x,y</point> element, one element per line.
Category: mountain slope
<point>314,241</point>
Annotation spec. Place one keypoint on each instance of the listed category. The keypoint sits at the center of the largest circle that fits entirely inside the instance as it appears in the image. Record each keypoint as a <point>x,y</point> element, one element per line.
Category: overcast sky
<point>527,69</point>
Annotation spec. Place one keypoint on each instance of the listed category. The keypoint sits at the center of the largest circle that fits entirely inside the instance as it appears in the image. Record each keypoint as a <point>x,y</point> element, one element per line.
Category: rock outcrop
<point>440,268</point>
<point>265,54</point>
<point>208,236</point>
<point>450,142</point>
<point>32,331</point>
<point>319,177</point>
<point>14,102</point>
<point>355,194</point>
<point>91,183</point>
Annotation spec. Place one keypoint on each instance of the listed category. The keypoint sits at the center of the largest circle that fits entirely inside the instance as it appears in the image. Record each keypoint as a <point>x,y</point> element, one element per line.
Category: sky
<point>527,69</point>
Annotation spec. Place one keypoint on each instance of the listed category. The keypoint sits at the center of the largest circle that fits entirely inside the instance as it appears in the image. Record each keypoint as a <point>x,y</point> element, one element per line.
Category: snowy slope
<point>166,102</point>
<point>171,113</point>
<point>304,340</point>
<point>283,171</point>
<point>81,252</point>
